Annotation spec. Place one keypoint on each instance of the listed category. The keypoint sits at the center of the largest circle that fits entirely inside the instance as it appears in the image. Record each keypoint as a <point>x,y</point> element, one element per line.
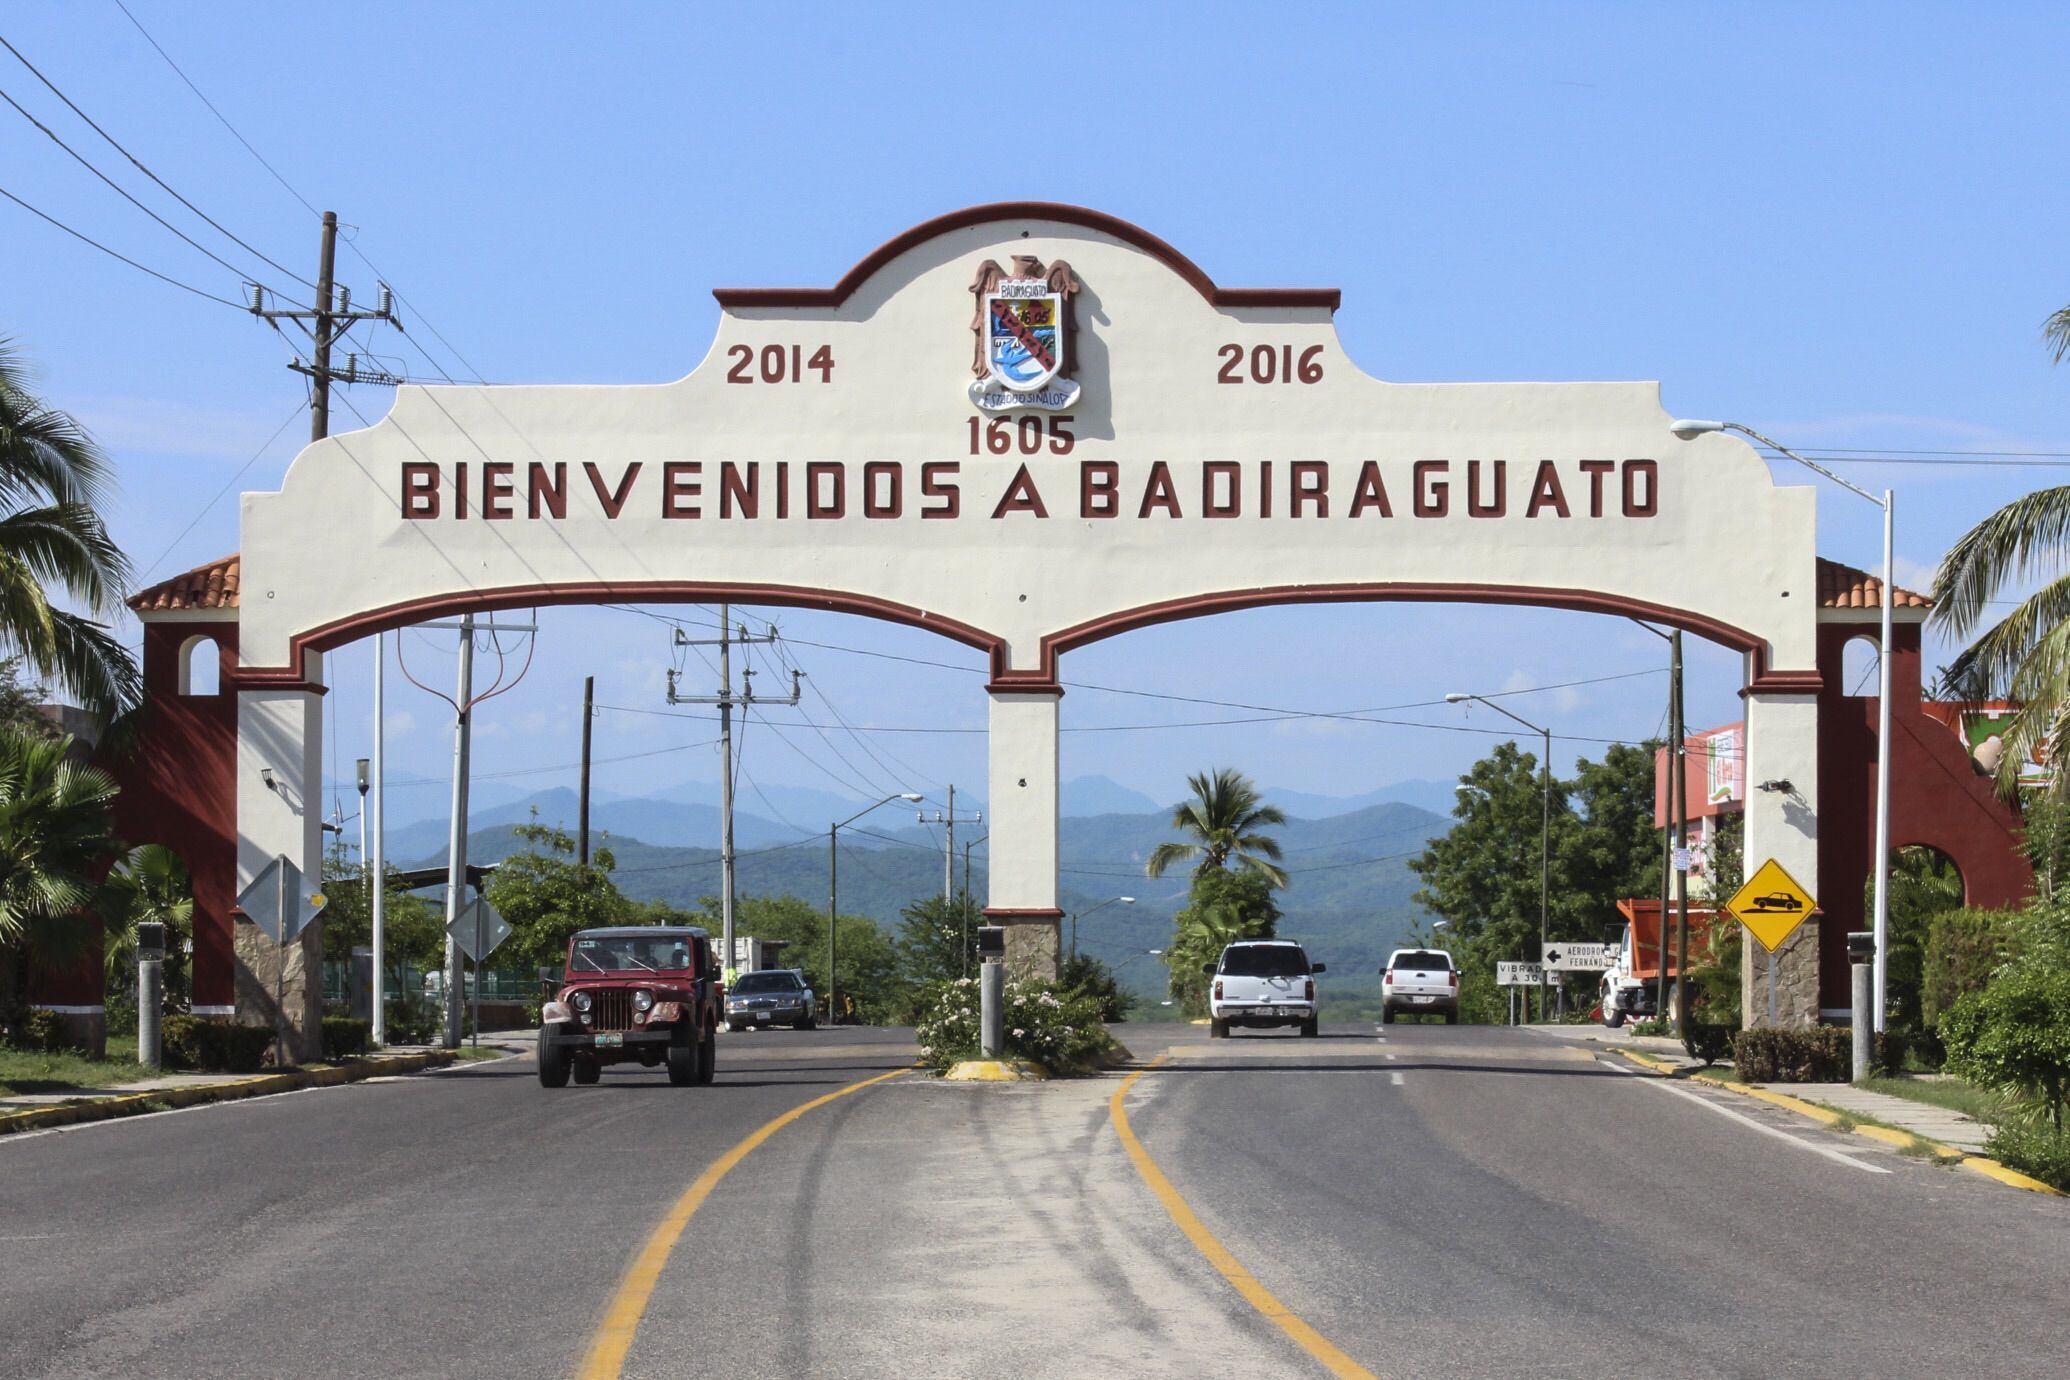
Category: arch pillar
<point>1022,878</point>
<point>279,732</point>
<point>1782,745</point>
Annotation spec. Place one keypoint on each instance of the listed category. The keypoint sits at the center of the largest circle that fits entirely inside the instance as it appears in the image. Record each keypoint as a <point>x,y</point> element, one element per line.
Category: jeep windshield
<point>627,953</point>
<point>1264,960</point>
<point>751,983</point>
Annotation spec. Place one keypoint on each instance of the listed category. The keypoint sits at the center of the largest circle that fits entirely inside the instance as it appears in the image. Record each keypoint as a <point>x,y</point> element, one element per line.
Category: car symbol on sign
<point>1777,900</point>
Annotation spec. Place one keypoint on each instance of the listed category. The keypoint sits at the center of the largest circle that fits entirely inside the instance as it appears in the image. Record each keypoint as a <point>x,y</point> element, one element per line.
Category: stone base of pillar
<point>1796,980</point>
<point>263,991</point>
<point>86,1031</point>
<point>1033,942</point>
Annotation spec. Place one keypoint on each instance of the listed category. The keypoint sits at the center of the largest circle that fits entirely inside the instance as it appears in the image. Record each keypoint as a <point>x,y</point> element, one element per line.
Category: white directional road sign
<point>1519,974</point>
<point>1578,958</point>
<point>478,929</point>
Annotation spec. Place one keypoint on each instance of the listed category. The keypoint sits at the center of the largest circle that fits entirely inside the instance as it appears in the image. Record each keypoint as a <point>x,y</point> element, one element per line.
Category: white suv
<point>1419,980</point>
<point>1261,983</point>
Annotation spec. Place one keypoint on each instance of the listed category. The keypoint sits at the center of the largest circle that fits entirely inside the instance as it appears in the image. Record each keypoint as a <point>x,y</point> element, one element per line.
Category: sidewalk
<point>1932,1123</point>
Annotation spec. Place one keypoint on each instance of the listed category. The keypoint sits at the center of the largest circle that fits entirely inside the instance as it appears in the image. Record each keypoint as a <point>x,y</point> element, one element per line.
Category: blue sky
<point>1842,224</point>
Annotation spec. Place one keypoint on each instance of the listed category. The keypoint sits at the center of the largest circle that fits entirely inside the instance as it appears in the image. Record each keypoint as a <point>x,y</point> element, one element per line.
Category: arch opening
<point>201,666</point>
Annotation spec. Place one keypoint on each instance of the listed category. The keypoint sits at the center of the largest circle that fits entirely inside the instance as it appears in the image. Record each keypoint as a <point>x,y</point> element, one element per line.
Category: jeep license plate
<point>610,1041</point>
<point>1419,1000</point>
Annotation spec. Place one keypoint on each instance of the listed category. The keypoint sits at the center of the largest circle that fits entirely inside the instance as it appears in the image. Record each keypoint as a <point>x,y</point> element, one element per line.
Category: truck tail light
<point>1311,989</point>
<point>1455,977</point>
<point>1387,978</point>
<point>1218,989</point>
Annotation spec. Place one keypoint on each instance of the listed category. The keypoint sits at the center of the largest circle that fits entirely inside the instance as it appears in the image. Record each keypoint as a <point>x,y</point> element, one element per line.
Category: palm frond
<point>44,454</point>
<point>2056,331</point>
<point>2028,533</point>
<point>97,667</point>
<point>67,545</point>
<point>1166,854</point>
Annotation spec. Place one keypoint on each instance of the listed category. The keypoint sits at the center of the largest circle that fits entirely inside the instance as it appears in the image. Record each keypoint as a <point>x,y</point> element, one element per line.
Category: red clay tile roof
<point>211,586</point>
<point>1844,587</point>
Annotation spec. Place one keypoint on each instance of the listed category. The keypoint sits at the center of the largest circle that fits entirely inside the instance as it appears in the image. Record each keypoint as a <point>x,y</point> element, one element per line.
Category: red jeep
<point>645,994</point>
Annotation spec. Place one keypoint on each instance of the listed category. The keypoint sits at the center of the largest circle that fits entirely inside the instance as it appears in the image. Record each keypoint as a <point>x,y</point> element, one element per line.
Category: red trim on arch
<point>1025,915</point>
<point>1326,298</point>
<point>350,629</point>
<point>1581,600</point>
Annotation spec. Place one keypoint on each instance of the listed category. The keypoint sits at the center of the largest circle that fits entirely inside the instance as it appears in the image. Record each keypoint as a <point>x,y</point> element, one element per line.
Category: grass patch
<point>25,1071</point>
<point>1951,1094</point>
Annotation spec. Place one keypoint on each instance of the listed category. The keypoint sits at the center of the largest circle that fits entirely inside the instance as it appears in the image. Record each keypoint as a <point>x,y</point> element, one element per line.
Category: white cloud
<point>157,426</point>
<point>401,724</point>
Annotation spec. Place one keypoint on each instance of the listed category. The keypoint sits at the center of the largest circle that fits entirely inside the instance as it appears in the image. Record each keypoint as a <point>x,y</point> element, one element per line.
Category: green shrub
<point>1059,1030</point>
<point>1793,1054</point>
<point>1656,1026</point>
<point>1963,949</point>
<point>1707,1041</point>
<point>196,1042</point>
<point>2035,1148</point>
<point>345,1037</point>
<point>2015,1034</point>
<point>43,1031</point>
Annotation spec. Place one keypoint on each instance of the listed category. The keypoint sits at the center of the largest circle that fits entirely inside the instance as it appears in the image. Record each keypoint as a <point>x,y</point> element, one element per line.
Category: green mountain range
<point>1348,901</point>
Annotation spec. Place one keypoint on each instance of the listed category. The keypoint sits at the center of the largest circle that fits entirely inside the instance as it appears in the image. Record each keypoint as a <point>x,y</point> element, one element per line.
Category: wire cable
<point>113,254</point>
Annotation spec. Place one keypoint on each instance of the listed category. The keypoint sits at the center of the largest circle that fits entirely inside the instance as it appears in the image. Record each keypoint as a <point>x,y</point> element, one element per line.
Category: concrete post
<point>1782,748</point>
<point>992,1008</point>
<point>1023,877</point>
<point>1864,1019</point>
<point>150,1005</point>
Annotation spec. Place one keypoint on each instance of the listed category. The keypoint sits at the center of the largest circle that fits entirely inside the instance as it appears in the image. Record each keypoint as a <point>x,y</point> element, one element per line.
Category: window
<point>1264,960</point>
<point>1423,958</point>
<point>201,666</point>
<point>768,981</point>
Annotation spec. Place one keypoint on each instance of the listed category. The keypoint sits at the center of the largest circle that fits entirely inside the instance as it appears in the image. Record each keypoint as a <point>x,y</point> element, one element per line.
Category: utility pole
<point>725,700</point>
<point>330,318</point>
<point>1680,765</point>
<point>456,848</point>
<point>947,819</point>
<point>966,891</point>
<point>378,861</point>
<point>589,712</point>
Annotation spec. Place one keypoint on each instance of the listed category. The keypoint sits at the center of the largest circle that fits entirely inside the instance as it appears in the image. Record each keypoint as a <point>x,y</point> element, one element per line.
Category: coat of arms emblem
<point>1023,329</point>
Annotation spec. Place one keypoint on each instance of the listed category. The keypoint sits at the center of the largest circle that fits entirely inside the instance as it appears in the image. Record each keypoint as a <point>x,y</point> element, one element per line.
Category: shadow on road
<point>1278,1066</point>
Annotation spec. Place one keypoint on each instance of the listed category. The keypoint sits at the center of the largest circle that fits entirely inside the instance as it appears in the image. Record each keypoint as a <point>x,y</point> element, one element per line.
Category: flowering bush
<point>1058,1030</point>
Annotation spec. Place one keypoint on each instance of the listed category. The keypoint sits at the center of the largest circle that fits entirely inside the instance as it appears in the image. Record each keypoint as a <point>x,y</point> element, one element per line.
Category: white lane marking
<point>1395,1077</point>
<point>1834,1155</point>
<point>1390,1054</point>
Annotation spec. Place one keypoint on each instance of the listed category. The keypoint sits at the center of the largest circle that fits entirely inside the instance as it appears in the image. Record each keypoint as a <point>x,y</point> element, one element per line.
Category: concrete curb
<point>158,1099</point>
<point>995,1071</point>
<point>1979,1164</point>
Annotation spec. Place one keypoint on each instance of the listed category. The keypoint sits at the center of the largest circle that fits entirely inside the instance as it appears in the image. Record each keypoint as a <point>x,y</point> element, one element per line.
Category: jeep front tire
<point>553,1062</point>
<point>684,1057</point>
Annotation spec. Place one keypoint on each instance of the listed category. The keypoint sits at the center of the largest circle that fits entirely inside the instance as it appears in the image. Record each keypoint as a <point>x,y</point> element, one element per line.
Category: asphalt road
<point>1446,1201</point>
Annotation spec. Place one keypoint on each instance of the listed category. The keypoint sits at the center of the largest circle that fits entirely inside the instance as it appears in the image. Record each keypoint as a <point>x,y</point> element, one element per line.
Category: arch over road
<point>1079,429</point>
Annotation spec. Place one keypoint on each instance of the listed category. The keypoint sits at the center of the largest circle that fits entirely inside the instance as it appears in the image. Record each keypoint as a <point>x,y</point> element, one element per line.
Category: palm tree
<point>54,485</point>
<point>148,886</point>
<point>1223,819</point>
<point>56,831</point>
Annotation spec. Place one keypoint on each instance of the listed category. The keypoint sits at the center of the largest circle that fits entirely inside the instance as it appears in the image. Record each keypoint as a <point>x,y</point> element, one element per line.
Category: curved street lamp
<point>1111,900</point>
<point>833,890</point>
<point>1689,431</point>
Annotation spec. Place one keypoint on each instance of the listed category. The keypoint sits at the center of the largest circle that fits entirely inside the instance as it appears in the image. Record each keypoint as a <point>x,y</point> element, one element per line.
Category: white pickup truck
<point>1419,980</point>
<point>1262,982</point>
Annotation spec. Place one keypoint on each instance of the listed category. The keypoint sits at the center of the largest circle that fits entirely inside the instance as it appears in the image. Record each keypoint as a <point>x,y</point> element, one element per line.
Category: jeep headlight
<point>580,1001</point>
<point>642,999</point>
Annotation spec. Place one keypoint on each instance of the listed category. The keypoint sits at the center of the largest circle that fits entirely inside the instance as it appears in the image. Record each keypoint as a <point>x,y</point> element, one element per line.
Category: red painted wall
<point>1938,798</point>
<point>179,789</point>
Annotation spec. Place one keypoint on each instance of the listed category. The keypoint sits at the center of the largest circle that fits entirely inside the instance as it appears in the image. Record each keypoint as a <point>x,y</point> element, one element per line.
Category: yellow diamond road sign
<point>1771,905</point>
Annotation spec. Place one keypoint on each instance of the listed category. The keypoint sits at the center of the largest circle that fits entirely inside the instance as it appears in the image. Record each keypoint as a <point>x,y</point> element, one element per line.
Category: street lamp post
<point>834,895</point>
<point>1545,829</point>
<point>1689,430</point>
<point>1111,900</point>
<point>967,907</point>
<point>366,876</point>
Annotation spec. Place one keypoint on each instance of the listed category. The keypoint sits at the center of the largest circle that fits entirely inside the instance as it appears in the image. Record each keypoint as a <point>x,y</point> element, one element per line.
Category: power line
<point>228,484</point>
<point>139,164</point>
<point>117,187</point>
<point>113,254</point>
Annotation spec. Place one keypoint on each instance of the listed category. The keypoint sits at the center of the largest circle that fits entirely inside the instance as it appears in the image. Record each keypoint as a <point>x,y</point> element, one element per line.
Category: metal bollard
<point>992,1008</point>
<point>150,1002</point>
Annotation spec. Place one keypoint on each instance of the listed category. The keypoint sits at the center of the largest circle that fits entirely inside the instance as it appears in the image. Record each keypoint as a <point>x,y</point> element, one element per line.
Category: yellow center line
<point>1255,1294</point>
<point>607,1350</point>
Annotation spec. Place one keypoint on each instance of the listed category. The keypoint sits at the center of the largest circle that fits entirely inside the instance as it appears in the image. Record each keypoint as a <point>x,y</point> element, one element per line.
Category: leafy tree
<point>937,939</point>
<point>1223,820</point>
<point>413,924</point>
<point>1082,975</point>
<point>19,701</point>
<point>1614,851</point>
<point>1965,948</point>
<point>56,833</point>
<point>547,896</point>
<point>59,570</point>
<point>870,975</point>
<point>1923,884</point>
<point>1223,907</point>
<point>149,886</point>
<point>2016,1034</point>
